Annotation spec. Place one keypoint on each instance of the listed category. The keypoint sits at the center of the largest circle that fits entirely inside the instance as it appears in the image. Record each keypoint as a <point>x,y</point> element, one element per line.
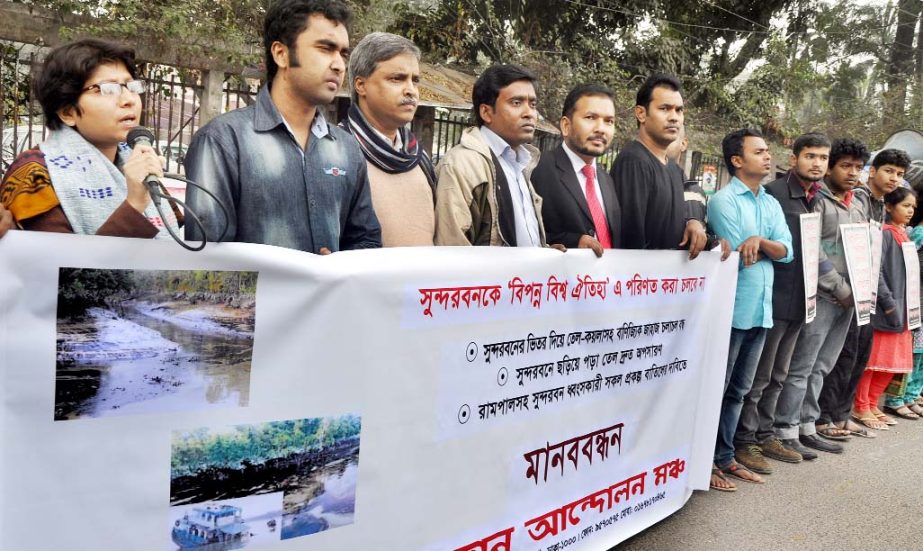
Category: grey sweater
<point>833,276</point>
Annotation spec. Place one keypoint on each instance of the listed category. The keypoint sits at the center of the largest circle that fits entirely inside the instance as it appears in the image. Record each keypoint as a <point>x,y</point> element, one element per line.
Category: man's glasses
<point>115,88</point>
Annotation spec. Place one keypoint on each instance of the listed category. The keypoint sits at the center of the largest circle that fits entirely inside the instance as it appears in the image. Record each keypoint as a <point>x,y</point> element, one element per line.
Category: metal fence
<point>170,107</point>
<point>21,123</point>
<point>709,170</point>
<point>450,124</point>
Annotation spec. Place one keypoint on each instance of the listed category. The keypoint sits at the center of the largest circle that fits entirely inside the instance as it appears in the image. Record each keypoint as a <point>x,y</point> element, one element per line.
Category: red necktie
<point>596,210</point>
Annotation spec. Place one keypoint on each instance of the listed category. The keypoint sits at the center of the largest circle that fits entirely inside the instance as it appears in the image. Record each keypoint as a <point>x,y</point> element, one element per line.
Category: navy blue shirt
<point>275,191</point>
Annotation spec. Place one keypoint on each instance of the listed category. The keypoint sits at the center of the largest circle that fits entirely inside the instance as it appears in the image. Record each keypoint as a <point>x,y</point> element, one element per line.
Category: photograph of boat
<point>226,524</point>
<point>210,524</point>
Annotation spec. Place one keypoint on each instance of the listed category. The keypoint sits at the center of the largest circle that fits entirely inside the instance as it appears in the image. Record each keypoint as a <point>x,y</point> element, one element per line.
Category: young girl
<point>906,405</point>
<point>892,343</point>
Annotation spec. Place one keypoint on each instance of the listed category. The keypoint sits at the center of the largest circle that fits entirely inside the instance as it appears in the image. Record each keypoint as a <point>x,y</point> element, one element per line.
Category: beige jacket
<point>466,194</point>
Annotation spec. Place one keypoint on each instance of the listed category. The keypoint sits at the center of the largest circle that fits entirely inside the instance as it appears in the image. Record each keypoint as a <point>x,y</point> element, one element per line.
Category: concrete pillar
<point>212,96</point>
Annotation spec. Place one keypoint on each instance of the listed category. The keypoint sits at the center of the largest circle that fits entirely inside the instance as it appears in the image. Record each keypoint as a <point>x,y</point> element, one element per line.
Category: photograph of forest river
<point>132,341</point>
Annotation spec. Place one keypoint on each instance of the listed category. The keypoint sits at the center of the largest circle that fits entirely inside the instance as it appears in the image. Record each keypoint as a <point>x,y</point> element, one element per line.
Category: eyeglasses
<point>115,88</point>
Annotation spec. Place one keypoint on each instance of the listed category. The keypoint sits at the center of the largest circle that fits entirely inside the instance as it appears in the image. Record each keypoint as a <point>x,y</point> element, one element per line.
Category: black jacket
<point>788,286</point>
<point>564,206</point>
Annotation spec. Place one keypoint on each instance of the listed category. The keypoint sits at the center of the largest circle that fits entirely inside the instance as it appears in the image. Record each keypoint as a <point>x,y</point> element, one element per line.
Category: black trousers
<point>839,389</point>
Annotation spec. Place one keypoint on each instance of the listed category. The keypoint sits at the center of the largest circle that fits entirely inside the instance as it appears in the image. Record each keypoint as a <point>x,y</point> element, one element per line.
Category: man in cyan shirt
<point>754,224</point>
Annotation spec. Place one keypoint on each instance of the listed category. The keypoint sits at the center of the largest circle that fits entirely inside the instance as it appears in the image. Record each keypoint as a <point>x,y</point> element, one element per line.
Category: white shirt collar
<point>397,143</point>
<point>576,160</point>
<point>498,145</point>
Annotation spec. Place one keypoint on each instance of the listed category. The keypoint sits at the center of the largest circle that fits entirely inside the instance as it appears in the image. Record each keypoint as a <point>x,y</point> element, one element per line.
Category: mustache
<point>409,101</point>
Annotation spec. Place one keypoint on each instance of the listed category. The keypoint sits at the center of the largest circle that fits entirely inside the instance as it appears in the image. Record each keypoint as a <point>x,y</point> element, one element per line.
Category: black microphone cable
<point>154,188</point>
<point>157,191</point>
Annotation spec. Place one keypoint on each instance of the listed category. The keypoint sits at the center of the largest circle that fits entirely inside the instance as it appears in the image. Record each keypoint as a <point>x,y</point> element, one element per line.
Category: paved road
<point>868,498</point>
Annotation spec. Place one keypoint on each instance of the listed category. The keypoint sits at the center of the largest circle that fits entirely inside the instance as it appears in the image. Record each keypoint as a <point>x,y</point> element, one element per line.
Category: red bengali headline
<point>567,516</point>
<point>535,294</point>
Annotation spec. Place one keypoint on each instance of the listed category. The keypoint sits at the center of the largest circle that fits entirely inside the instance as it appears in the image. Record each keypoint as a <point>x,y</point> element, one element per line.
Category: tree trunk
<point>900,64</point>
<point>918,72</point>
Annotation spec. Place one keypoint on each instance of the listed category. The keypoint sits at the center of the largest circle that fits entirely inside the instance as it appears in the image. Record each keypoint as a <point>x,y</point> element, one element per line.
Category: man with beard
<point>821,341</point>
<point>650,192</point>
<point>797,193</point>
<point>286,176</point>
<point>384,70</point>
<point>579,205</point>
<point>484,195</point>
<point>754,224</point>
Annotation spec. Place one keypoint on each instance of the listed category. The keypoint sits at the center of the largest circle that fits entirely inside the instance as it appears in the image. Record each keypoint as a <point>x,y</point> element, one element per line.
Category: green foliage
<point>223,30</point>
<point>199,450</point>
<point>786,66</point>
<point>14,83</point>
<point>80,289</point>
<point>83,288</point>
<point>195,281</point>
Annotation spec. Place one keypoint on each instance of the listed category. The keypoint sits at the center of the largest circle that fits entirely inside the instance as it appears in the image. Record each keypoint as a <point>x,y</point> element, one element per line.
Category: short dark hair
<point>733,144</point>
<point>495,78</point>
<point>894,157</point>
<point>899,194</point>
<point>846,147</point>
<point>646,91</point>
<point>811,139</point>
<point>286,19</point>
<point>581,91</point>
<point>67,69</point>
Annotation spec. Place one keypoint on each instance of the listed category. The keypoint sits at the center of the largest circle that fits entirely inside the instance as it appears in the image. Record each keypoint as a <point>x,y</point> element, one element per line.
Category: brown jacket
<point>467,211</point>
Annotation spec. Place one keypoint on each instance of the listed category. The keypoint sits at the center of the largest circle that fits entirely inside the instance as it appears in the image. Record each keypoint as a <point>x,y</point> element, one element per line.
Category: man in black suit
<point>580,207</point>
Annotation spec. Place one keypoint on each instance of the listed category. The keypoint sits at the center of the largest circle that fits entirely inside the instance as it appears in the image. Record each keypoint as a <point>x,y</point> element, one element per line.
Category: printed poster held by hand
<point>857,245</point>
<point>912,265</point>
<point>810,253</point>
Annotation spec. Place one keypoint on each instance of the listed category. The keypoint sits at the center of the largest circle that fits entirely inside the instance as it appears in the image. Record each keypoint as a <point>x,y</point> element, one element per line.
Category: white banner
<point>856,244</point>
<point>439,398</point>
<point>875,248</point>
<point>912,265</point>
<point>810,259</point>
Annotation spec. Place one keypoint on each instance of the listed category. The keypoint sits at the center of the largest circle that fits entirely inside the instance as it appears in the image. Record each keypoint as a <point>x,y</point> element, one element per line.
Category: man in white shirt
<point>483,192</point>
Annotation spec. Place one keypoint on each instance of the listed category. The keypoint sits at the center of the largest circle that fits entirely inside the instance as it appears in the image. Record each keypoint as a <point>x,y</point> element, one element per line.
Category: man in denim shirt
<point>754,224</point>
<point>286,176</point>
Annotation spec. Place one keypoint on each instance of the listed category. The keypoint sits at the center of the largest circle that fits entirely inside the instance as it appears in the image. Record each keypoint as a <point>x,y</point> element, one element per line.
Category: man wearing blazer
<point>580,208</point>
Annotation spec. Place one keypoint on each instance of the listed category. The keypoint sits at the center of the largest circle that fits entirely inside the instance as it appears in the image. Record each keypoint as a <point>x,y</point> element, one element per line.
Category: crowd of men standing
<point>278,173</point>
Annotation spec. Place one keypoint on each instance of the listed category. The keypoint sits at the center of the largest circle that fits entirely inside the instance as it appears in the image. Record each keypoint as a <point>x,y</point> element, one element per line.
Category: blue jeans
<point>744,352</point>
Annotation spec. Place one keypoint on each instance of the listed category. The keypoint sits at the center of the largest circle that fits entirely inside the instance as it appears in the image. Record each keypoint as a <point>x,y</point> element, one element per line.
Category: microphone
<point>143,136</point>
<point>140,135</point>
